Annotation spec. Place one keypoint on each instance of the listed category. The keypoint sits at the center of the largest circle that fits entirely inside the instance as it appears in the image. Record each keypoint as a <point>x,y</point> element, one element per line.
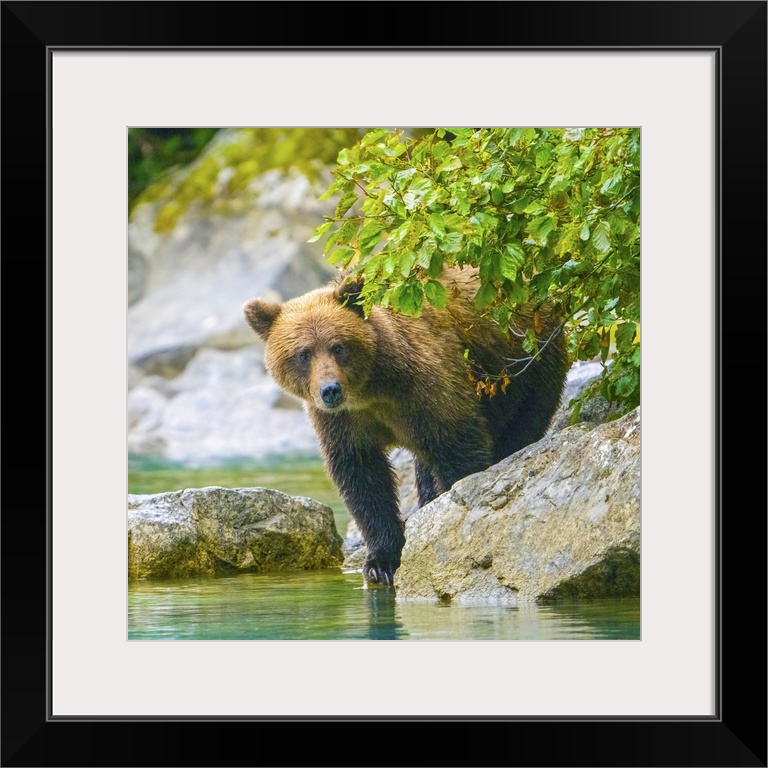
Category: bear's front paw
<point>380,569</point>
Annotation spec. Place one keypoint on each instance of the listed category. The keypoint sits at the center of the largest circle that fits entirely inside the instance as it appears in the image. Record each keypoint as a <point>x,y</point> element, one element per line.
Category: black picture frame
<point>736,735</point>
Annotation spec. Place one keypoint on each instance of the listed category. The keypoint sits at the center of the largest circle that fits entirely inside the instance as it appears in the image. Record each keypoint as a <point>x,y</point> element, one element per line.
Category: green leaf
<point>347,232</point>
<point>424,254</point>
<point>487,268</point>
<point>346,202</point>
<point>452,242</point>
<point>320,231</point>
<point>535,208</point>
<point>493,173</point>
<point>543,156</point>
<point>333,189</point>
<point>563,274</point>
<point>453,163</point>
<point>435,293</point>
<point>574,417</point>
<point>401,179</point>
<point>436,224</point>
<point>601,237</point>
<point>625,334</point>
<point>373,136</point>
<point>517,292</point>
<point>331,241</point>
<point>541,227</point>
<point>591,345</point>
<point>463,135</point>
<point>485,296</point>
<point>540,283</point>
<point>530,342</point>
<point>435,264</point>
<point>612,182</point>
<point>341,256</point>
<point>399,234</point>
<point>410,298</point>
<point>455,222</point>
<point>369,236</point>
<point>406,263</point>
<point>627,384</point>
<point>585,231</point>
<point>484,220</point>
<point>512,258</point>
<point>343,157</point>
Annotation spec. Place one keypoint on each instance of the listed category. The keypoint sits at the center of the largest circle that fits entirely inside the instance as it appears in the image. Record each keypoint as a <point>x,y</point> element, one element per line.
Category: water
<point>330,604</point>
<point>294,475</point>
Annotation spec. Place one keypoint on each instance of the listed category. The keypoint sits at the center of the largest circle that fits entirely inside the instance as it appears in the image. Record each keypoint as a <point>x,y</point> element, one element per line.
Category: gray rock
<point>137,275</point>
<point>198,391</point>
<point>188,285</point>
<point>223,406</point>
<point>561,517</point>
<point>212,531</point>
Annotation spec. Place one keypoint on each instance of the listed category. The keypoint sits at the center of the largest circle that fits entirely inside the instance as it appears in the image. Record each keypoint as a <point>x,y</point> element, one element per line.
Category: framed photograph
<point>690,77</point>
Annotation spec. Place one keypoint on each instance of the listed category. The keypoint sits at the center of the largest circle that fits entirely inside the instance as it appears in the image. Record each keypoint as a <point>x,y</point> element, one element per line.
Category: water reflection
<point>331,605</point>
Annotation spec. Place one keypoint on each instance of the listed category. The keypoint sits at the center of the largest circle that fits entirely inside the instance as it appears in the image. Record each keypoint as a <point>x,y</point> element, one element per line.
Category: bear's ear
<point>348,295</point>
<point>261,315</point>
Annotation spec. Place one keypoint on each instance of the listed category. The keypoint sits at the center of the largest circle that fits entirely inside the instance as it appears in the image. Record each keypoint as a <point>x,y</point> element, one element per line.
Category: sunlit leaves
<point>373,136</point>
<point>320,231</point>
<point>346,202</point>
<point>601,237</point>
<point>543,214</point>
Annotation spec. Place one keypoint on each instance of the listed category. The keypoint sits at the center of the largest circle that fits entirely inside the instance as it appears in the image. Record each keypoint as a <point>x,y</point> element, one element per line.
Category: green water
<point>294,475</point>
<point>330,604</point>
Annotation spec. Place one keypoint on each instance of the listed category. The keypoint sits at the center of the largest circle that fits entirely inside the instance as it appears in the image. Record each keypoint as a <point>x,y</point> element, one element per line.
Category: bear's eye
<point>304,356</point>
<point>337,349</point>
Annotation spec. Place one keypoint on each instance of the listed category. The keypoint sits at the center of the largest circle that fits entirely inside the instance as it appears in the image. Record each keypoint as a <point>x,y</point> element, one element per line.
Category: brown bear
<point>386,380</point>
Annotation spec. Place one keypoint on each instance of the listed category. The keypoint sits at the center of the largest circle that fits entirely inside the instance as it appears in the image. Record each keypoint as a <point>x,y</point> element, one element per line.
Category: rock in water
<point>214,531</point>
<point>559,518</point>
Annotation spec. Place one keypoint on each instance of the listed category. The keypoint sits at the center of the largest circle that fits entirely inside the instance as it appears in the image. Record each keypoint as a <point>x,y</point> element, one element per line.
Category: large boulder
<point>214,531</point>
<point>558,518</point>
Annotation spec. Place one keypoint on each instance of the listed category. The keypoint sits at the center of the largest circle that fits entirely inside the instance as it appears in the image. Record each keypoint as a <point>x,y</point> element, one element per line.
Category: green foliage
<point>544,214</point>
<point>221,177</point>
<point>152,151</point>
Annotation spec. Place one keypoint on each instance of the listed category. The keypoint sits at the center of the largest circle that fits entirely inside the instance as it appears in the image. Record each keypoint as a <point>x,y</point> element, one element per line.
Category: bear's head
<point>319,346</point>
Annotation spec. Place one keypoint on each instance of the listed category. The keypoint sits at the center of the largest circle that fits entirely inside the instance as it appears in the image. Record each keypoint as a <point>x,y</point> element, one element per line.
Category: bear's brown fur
<point>388,380</point>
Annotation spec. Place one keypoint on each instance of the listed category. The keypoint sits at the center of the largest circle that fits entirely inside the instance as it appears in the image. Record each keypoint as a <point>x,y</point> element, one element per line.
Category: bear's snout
<point>331,393</point>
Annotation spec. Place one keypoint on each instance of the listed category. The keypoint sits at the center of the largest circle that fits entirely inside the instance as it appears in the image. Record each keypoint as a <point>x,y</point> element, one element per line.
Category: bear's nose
<point>331,393</point>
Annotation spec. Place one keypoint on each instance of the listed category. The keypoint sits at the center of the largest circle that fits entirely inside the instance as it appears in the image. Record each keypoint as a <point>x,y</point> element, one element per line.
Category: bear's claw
<point>374,573</point>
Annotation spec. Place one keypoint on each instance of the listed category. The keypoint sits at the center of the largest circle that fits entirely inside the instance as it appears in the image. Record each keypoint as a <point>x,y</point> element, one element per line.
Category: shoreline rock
<point>215,531</point>
<point>561,518</point>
